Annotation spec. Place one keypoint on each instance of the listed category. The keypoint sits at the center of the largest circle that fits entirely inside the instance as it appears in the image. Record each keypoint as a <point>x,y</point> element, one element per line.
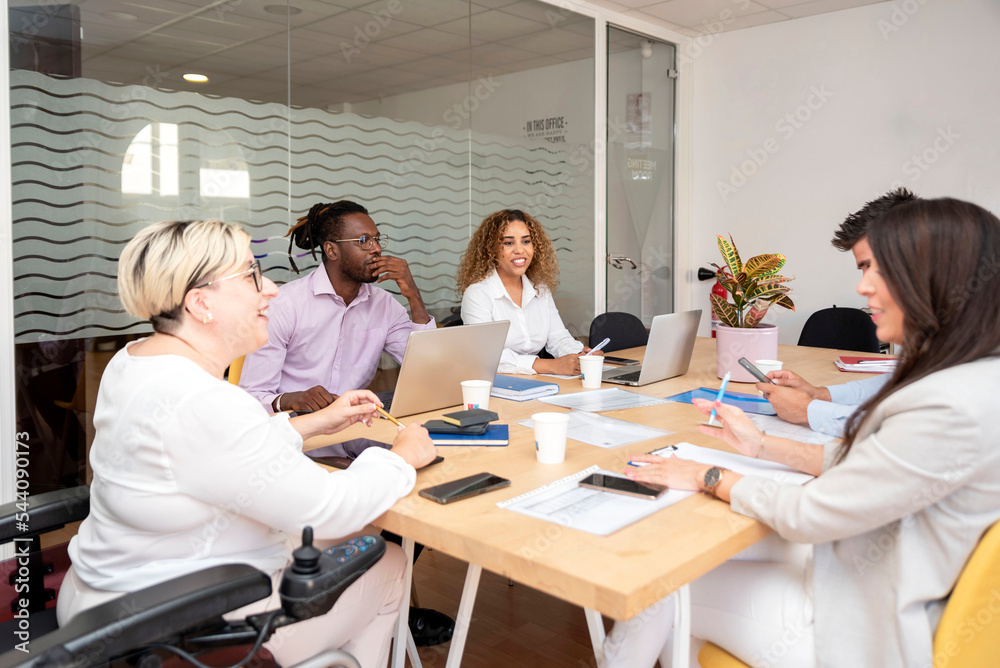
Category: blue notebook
<point>521,389</point>
<point>749,403</point>
<point>496,434</point>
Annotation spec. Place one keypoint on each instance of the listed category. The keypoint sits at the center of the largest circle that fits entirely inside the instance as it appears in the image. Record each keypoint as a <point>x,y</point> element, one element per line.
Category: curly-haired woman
<point>509,272</point>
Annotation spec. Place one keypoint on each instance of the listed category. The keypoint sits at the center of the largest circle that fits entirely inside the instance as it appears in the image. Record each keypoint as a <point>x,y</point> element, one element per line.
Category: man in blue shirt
<point>826,409</point>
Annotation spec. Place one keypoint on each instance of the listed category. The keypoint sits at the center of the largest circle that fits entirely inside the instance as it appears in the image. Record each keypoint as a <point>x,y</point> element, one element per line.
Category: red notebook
<point>880,364</point>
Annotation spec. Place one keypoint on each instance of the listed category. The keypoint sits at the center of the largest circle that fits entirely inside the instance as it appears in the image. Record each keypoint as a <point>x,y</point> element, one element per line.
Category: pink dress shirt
<point>315,339</point>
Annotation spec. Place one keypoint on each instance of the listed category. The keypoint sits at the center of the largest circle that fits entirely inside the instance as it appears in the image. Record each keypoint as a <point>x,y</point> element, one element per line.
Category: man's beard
<point>359,273</point>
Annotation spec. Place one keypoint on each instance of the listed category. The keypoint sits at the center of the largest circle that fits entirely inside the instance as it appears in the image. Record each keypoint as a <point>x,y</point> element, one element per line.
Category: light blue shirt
<point>830,417</point>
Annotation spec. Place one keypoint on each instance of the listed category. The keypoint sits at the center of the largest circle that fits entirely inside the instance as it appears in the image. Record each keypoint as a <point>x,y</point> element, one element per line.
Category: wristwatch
<point>713,477</point>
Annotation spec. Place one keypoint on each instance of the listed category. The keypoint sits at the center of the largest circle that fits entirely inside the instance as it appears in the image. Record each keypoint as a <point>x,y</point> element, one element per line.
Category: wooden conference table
<point>618,575</point>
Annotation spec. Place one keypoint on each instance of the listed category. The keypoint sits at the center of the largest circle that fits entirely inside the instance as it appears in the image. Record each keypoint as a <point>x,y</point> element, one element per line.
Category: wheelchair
<point>182,616</point>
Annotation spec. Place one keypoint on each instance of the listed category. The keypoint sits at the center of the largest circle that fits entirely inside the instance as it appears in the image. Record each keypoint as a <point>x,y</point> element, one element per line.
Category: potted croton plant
<point>754,287</point>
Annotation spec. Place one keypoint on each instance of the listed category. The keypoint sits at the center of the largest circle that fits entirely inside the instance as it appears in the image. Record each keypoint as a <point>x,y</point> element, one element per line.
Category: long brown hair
<point>480,257</point>
<point>941,262</point>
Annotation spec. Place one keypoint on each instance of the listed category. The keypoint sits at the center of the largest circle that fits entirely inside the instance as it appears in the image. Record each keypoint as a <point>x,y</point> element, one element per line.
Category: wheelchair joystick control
<point>306,557</point>
<point>317,579</point>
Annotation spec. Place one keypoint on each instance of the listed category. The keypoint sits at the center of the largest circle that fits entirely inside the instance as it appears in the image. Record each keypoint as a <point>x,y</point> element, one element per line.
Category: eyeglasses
<point>258,279</point>
<point>366,242</point>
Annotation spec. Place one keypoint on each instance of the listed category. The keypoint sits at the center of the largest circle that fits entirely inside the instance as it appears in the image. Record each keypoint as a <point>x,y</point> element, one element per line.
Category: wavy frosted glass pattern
<point>425,186</point>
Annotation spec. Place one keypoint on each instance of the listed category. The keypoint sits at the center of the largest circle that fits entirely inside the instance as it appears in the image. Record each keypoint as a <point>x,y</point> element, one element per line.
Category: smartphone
<point>622,361</point>
<point>463,488</point>
<point>618,485</point>
<point>754,371</point>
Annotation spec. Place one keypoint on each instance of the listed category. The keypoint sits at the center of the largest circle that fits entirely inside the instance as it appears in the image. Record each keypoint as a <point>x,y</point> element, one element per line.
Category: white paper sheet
<point>775,426</point>
<point>596,401</point>
<point>605,432</point>
<point>565,503</point>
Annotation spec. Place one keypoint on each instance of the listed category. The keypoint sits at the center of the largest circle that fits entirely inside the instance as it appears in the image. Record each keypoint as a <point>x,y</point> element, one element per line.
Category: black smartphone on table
<point>627,486</point>
<point>754,371</point>
<point>463,488</point>
<point>620,361</point>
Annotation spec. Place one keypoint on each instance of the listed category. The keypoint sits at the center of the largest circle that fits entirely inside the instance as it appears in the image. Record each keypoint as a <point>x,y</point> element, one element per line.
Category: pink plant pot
<point>732,343</point>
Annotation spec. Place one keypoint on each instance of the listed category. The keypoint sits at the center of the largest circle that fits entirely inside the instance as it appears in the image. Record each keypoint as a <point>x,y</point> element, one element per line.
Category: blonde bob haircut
<point>167,259</point>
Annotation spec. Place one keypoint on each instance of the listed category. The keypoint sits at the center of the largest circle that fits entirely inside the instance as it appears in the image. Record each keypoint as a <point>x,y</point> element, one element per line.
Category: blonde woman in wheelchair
<point>191,471</point>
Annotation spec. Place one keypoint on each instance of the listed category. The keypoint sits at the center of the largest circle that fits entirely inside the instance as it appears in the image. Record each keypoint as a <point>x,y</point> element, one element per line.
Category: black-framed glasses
<point>258,277</point>
<point>366,242</point>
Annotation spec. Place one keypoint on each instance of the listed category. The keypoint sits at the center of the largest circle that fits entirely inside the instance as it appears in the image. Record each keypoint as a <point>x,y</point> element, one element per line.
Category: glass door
<point>641,122</point>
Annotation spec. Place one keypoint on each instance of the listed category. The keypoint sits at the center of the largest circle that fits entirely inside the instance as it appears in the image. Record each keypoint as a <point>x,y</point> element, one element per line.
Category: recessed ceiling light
<point>121,16</point>
<point>196,78</point>
<point>282,10</point>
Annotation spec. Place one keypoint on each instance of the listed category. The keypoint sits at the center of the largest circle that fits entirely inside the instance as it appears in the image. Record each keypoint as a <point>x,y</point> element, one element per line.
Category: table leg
<point>682,627</point>
<point>595,624</point>
<point>402,643</point>
<point>464,616</point>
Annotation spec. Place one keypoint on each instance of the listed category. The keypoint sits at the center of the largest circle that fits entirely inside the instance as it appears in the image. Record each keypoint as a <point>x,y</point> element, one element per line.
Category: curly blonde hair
<point>482,255</point>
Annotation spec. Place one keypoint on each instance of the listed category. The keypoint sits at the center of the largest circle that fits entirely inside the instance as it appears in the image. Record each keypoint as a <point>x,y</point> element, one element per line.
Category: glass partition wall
<point>431,113</point>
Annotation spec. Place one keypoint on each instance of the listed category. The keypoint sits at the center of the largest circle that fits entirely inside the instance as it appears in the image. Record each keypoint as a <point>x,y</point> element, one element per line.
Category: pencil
<point>388,417</point>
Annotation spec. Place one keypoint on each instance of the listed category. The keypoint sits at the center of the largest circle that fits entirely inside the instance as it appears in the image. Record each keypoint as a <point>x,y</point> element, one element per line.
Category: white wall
<point>904,93</point>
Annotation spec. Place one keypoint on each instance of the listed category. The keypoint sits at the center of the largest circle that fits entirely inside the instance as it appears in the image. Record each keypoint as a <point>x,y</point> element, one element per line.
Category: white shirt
<point>191,472</point>
<point>534,325</point>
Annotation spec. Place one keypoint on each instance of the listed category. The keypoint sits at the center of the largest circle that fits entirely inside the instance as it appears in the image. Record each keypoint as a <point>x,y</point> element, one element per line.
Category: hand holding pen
<point>597,347</point>
<point>722,392</point>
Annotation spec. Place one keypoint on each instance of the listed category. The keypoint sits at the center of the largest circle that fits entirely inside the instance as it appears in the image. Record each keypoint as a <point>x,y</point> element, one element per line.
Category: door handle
<point>617,261</point>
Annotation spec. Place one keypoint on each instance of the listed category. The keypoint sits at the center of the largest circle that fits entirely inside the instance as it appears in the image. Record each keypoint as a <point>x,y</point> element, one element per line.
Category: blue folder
<point>749,403</point>
<point>496,434</point>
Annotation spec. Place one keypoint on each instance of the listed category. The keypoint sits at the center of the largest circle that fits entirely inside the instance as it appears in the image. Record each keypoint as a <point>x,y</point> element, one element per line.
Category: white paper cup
<point>550,436</point>
<point>766,366</point>
<point>476,393</point>
<point>592,367</point>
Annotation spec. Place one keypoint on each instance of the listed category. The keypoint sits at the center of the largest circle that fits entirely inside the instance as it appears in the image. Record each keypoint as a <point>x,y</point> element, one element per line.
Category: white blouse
<point>191,471</point>
<point>533,325</point>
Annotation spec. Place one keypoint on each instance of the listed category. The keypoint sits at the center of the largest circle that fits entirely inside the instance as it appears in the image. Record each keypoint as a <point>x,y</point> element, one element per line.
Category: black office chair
<point>624,329</point>
<point>182,616</point>
<point>840,328</point>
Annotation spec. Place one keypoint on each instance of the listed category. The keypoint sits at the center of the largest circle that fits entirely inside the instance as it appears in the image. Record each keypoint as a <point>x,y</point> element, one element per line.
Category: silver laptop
<point>668,351</point>
<point>436,362</point>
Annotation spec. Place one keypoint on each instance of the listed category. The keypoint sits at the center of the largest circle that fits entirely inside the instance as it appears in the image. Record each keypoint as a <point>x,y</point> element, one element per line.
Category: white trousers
<point>757,606</point>
<point>361,622</point>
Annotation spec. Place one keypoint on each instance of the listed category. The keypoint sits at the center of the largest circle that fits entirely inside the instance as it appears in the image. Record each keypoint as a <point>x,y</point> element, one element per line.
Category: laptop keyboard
<point>386,399</point>
<point>632,377</point>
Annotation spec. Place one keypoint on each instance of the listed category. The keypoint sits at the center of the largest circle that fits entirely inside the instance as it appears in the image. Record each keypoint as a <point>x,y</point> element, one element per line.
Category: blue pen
<point>718,397</point>
<point>599,346</point>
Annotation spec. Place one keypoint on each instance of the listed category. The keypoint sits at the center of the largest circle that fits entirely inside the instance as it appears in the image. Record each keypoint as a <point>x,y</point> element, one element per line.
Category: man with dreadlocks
<point>328,329</point>
<point>327,332</point>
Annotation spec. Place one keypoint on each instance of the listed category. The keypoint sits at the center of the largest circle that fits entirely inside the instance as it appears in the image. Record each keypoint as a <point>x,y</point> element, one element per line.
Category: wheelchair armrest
<point>150,615</point>
<point>46,512</point>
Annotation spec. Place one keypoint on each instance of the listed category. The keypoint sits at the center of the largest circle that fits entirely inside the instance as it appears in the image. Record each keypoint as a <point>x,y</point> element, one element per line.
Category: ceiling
<point>321,53</point>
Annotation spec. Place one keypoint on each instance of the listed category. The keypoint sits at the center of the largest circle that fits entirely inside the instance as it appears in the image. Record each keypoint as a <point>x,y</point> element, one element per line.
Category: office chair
<point>954,645</point>
<point>624,329</point>
<point>182,616</point>
<point>840,328</point>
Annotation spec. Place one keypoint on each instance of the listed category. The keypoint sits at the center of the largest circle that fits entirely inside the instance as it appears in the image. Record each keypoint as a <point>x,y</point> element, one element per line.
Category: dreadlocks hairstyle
<point>855,226</point>
<point>480,257</point>
<point>940,259</point>
<point>324,222</point>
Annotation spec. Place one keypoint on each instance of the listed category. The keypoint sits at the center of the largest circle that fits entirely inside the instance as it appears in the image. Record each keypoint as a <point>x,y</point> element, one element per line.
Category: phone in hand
<point>621,361</point>
<point>627,486</point>
<point>463,488</point>
<point>754,371</point>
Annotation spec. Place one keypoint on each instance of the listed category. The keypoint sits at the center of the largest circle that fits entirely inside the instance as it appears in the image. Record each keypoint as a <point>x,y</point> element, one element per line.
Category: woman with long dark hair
<point>896,509</point>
